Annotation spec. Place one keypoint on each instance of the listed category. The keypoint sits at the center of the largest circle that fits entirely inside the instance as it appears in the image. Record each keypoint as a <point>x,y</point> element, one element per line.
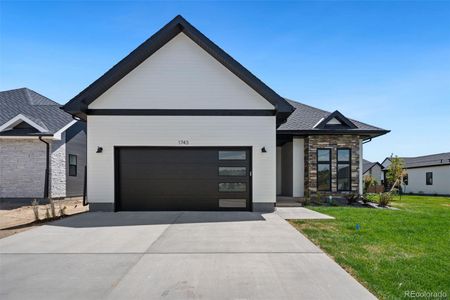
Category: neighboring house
<point>374,169</point>
<point>178,124</point>
<point>28,123</point>
<point>428,174</point>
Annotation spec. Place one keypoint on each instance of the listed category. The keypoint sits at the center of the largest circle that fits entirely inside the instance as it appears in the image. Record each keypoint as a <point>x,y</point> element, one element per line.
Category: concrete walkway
<point>170,255</point>
<point>300,213</point>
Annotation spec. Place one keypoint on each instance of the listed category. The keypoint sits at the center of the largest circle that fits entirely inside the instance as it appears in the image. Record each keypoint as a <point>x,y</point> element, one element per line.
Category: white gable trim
<point>19,119</point>
<point>320,121</point>
<point>57,135</point>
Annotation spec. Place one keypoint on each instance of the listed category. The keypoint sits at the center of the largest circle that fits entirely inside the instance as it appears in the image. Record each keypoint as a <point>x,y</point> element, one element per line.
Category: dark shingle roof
<point>427,160</point>
<point>367,165</point>
<point>306,117</point>
<point>41,110</point>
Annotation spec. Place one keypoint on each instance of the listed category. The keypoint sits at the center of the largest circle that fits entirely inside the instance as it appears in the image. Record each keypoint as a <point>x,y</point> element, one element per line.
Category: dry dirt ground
<point>22,218</point>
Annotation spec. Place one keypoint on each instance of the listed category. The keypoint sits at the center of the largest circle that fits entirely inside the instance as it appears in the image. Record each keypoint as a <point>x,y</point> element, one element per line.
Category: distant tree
<point>395,171</point>
<point>369,181</point>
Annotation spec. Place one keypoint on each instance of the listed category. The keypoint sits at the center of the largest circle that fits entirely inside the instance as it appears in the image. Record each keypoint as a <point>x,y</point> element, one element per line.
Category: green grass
<point>395,250</point>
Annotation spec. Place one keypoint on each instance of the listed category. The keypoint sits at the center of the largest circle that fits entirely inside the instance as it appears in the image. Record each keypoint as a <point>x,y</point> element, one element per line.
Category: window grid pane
<point>343,155</point>
<point>323,177</point>
<point>72,159</point>
<point>72,170</point>
<point>323,155</point>
<point>343,177</point>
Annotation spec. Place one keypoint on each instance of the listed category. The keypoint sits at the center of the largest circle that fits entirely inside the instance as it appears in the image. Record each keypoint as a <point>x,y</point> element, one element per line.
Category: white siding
<point>181,75</point>
<point>417,183</point>
<point>110,131</point>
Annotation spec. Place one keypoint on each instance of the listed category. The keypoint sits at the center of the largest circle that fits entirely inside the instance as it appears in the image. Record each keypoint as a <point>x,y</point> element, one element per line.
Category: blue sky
<point>384,63</point>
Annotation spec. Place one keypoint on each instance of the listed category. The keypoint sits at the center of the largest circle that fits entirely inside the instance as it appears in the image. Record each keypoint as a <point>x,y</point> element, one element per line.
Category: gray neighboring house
<point>178,124</point>
<point>37,135</point>
<point>374,169</point>
<point>428,174</point>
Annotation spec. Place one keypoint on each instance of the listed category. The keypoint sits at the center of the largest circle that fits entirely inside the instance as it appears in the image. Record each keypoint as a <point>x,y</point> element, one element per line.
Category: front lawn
<point>394,251</point>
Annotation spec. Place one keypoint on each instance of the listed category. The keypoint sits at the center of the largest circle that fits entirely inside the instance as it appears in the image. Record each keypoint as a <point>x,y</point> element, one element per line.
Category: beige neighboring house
<point>428,174</point>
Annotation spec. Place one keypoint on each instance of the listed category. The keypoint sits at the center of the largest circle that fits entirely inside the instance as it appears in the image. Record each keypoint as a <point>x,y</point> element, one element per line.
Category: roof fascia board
<point>428,166</point>
<point>18,119</point>
<point>29,137</point>
<point>331,132</point>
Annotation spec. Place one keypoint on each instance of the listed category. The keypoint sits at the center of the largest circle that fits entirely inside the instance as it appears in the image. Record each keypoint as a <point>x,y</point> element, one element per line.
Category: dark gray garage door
<point>183,178</point>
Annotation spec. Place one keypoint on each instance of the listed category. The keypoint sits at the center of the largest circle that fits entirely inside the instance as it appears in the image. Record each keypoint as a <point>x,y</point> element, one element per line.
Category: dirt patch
<point>16,220</point>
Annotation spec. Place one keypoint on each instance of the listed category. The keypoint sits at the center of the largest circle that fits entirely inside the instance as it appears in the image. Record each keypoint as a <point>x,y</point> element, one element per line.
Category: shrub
<point>351,198</point>
<point>306,201</point>
<point>319,197</point>
<point>47,212</point>
<point>365,198</point>
<point>369,181</point>
<point>35,206</point>
<point>52,208</point>
<point>385,199</point>
<point>62,211</point>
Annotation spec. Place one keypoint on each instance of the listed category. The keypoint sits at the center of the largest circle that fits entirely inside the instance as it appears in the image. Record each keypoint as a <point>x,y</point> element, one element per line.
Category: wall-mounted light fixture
<point>99,149</point>
<point>263,150</point>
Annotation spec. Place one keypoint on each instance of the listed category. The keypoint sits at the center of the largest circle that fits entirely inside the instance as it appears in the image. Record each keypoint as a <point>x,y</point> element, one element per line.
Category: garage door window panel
<point>232,155</point>
<point>232,187</point>
<point>232,171</point>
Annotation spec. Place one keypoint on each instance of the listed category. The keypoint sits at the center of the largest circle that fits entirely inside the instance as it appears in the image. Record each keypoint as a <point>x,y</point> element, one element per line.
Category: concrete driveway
<point>170,255</point>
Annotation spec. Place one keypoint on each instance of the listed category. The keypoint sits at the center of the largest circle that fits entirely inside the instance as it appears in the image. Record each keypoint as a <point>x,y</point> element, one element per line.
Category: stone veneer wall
<point>58,168</point>
<point>333,142</point>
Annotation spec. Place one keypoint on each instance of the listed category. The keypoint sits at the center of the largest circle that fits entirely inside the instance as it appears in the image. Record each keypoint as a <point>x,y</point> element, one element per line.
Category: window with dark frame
<point>405,179</point>
<point>72,165</point>
<point>324,169</point>
<point>344,174</point>
<point>429,178</point>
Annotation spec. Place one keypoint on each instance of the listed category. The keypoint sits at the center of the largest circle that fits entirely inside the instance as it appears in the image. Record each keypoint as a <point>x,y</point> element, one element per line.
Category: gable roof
<point>367,165</point>
<point>439,159</point>
<point>78,105</point>
<point>25,105</point>
<point>305,118</point>
<point>344,122</point>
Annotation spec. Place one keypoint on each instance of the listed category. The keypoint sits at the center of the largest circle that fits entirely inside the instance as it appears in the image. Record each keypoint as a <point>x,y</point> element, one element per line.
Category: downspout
<point>47,166</point>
